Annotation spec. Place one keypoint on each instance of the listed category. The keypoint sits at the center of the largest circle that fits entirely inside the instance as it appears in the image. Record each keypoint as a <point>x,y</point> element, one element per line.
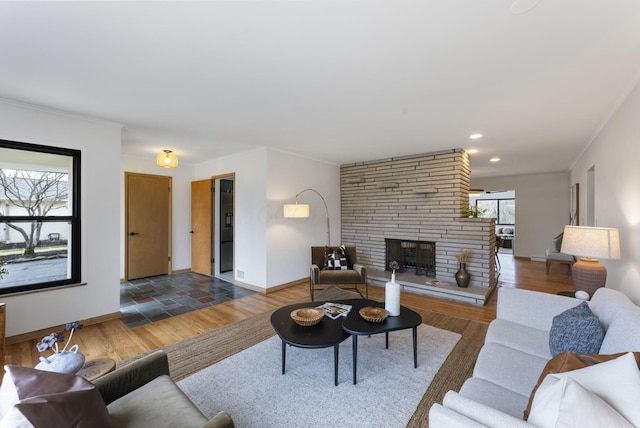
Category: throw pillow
<point>53,400</point>
<point>507,230</point>
<point>565,403</point>
<point>566,361</point>
<point>557,242</point>
<point>335,260</point>
<point>576,330</point>
<point>616,382</point>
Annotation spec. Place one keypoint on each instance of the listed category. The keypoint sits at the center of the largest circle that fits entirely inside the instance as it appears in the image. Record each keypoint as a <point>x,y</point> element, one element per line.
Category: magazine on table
<point>335,310</point>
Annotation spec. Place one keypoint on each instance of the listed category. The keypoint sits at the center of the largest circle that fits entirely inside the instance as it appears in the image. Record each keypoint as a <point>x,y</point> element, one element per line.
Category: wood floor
<point>113,339</point>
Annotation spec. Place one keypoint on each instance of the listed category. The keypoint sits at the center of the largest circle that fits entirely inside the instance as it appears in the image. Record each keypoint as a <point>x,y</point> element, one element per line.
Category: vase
<point>70,361</point>
<point>462,276</point>
<point>392,296</point>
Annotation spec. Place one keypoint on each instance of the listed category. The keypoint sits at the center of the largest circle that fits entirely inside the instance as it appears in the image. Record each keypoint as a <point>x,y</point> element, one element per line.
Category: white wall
<point>250,210</point>
<point>615,153</point>
<point>542,208</point>
<point>182,176</point>
<point>271,250</point>
<point>290,239</point>
<point>100,203</point>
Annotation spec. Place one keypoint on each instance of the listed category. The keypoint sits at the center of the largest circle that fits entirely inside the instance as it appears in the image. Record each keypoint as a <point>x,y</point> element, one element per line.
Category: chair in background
<point>554,255</point>
<point>352,276</point>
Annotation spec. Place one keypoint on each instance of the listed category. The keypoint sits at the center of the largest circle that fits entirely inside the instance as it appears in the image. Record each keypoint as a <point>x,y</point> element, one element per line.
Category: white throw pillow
<point>8,395</point>
<point>616,382</point>
<point>563,403</point>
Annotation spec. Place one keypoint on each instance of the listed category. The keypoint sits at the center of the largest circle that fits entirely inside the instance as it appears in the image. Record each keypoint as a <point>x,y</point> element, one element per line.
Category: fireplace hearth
<point>418,257</point>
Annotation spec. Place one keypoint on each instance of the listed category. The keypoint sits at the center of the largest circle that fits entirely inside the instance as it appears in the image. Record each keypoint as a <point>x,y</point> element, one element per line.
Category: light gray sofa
<point>516,351</point>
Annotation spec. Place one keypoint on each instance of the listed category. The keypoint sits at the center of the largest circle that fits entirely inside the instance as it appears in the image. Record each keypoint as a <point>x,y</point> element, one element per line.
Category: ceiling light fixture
<point>472,151</point>
<point>475,136</point>
<point>476,191</point>
<point>166,159</point>
<point>494,160</point>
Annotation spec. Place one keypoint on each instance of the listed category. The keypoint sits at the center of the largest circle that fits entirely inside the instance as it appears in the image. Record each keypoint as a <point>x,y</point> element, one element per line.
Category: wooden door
<point>201,227</point>
<point>148,225</point>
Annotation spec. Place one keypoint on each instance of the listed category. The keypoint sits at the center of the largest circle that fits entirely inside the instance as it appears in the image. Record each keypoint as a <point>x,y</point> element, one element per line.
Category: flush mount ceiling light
<point>494,160</point>
<point>475,136</point>
<point>166,159</point>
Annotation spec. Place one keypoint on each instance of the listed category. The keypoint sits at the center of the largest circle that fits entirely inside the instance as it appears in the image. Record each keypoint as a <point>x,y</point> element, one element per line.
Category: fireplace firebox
<point>418,257</point>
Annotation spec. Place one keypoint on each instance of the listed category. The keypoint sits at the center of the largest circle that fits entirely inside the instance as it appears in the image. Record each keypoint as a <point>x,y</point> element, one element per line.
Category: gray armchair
<point>352,276</point>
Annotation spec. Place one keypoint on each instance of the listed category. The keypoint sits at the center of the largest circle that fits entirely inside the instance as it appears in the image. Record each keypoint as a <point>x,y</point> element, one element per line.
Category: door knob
<point>192,232</point>
<point>133,233</point>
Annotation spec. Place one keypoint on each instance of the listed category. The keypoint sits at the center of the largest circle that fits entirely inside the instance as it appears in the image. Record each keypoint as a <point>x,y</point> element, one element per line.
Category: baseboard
<point>39,334</point>
<point>288,284</point>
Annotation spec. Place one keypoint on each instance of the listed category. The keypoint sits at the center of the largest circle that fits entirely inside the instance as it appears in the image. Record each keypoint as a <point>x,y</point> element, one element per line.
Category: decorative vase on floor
<point>462,276</point>
<point>392,296</point>
<point>70,361</point>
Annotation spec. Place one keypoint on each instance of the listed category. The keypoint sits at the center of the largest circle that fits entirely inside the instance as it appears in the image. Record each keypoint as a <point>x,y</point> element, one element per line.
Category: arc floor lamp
<point>302,211</point>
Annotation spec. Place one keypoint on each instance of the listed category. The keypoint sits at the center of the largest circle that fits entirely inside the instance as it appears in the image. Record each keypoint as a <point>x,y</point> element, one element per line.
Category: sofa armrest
<point>481,413</point>
<point>532,308</point>
<point>132,376</point>
<point>315,274</point>
<point>442,417</point>
<point>221,420</point>
<point>362,270</point>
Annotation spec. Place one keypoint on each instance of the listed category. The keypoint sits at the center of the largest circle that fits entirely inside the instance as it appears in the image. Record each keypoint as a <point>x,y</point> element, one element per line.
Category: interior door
<point>148,225</point>
<point>201,227</point>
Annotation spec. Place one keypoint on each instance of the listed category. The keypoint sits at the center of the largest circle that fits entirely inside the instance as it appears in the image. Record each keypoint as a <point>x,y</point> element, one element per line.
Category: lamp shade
<point>592,242</point>
<point>296,210</point>
<point>167,159</point>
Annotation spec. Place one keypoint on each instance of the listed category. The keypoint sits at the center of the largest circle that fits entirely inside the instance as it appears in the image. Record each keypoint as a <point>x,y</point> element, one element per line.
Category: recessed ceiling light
<point>475,136</point>
<point>472,151</point>
<point>494,160</point>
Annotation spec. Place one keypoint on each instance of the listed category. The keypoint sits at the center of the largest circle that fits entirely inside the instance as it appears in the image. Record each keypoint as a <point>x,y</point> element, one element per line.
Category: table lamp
<point>590,244</point>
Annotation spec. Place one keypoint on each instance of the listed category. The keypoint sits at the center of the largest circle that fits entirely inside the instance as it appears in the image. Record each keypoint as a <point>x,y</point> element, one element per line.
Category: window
<point>39,217</point>
<point>503,210</point>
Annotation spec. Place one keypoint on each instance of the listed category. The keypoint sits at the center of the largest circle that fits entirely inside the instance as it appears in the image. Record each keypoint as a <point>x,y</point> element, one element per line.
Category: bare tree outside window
<point>37,193</point>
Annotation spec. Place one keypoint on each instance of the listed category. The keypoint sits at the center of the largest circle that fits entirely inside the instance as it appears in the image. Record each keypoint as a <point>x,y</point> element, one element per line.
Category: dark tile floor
<point>153,299</point>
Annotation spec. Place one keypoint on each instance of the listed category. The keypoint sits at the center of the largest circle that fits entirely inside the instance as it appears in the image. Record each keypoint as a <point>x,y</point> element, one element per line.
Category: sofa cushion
<point>339,277</point>
<point>507,367</point>
<point>496,396</point>
<point>50,399</point>
<point>567,361</point>
<point>622,372</point>
<point>576,330</point>
<point>517,336</point>
<point>159,403</point>
<point>565,403</point>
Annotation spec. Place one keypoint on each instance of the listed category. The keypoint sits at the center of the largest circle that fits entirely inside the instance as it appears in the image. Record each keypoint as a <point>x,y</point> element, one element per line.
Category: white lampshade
<point>167,159</point>
<point>296,210</point>
<point>592,242</point>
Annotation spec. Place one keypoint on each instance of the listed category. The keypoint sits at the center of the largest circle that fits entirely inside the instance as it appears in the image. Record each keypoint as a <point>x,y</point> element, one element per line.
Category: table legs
<point>335,361</point>
<point>355,352</point>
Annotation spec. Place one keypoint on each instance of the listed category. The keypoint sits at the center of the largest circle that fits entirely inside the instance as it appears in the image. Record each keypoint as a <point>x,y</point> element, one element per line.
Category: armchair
<point>354,274</point>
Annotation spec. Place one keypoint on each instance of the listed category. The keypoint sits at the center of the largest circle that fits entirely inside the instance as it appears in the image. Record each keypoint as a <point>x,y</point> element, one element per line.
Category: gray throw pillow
<point>557,242</point>
<point>576,330</point>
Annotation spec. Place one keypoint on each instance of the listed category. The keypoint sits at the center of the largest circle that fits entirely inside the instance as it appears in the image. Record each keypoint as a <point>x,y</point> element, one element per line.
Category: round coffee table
<point>326,333</point>
<point>355,325</point>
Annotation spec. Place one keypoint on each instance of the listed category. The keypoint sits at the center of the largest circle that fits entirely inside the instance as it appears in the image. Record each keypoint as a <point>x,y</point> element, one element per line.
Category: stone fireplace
<point>419,198</point>
<point>417,257</point>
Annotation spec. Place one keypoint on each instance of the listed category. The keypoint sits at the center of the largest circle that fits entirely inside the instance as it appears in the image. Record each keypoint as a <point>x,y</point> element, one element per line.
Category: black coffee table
<point>355,325</point>
<point>323,335</point>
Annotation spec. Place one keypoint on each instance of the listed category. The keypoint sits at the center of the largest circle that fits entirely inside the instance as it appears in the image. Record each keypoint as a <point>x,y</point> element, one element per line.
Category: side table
<point>93,369</point>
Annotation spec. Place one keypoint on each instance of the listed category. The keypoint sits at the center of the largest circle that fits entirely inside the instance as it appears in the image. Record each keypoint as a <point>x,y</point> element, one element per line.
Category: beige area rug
<point>192,355</point>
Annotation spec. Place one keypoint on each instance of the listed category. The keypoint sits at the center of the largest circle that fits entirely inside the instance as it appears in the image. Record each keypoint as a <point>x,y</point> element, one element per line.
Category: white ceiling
<point>341,81</point>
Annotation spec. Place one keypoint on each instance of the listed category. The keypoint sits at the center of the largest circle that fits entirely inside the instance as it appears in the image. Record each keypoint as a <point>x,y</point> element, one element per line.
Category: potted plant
<point>474,211</point>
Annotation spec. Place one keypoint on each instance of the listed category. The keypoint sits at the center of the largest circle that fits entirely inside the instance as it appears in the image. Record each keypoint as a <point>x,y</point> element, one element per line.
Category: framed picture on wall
<point>574,205</point>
